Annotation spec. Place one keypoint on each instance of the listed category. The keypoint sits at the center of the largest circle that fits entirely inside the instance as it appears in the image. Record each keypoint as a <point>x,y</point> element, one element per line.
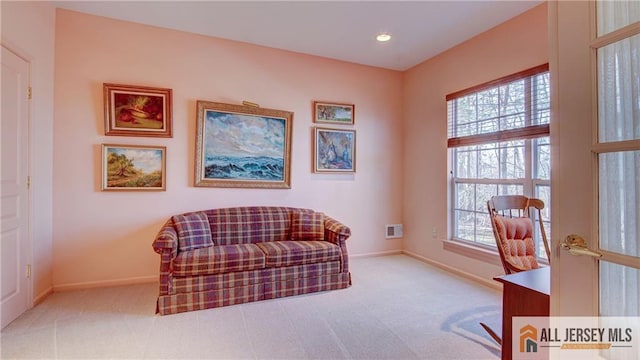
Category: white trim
<point>40,298</point>
<point>472,251</point>
<point>376,254</point>
<point>488,283</point>
<point>106,283</point>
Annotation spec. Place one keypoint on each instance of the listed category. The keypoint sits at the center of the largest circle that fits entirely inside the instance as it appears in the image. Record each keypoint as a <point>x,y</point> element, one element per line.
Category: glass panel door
<point>617,147</point>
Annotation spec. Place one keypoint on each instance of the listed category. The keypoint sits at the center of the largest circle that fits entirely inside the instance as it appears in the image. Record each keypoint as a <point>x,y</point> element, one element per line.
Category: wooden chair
<point>513,231</point>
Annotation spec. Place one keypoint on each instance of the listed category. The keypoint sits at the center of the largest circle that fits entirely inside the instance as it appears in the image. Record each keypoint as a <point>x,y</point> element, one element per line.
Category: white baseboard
<point>106,283</point>
<point>40,298</point>
<point>489,283</point>
<point>374,254</point>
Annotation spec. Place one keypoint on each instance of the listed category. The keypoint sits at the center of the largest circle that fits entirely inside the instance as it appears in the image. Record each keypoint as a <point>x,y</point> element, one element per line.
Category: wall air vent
<point>393,231</point>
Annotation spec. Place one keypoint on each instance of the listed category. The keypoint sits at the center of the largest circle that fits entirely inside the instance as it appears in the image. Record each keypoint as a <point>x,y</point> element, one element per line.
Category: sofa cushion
<point>193,231</point>
<point>307,225</point>
<point>251,224</point>
<point>218,259</point>
<point>286,253</point>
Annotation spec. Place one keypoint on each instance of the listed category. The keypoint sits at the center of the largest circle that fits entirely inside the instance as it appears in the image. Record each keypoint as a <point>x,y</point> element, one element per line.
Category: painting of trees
<point>133,168</point>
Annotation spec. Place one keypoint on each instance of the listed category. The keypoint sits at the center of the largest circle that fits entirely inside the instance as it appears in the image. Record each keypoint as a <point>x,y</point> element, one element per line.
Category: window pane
<point>463,116</point>
<point>619,290</point>
<point>467,109</point>
<point>541,104</point>
<point>620,193</point>
<point>542,158</point>
<point>484,231</point>
<point>512,161</point>
<point>619,90</point>
<point>501,160</point>
<point>613,15</point>
<point>483,194</point>
<point>488,104</point>
<point>510,190</point>
<point>465,225</point>
<point>543,192</point>
<point>489,161</point>
<point>467,162</point>
<point>465,196</point>
<point>512,105</point>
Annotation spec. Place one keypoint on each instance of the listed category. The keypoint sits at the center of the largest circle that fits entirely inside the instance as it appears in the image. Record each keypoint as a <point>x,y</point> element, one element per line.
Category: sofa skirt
<point>210,291</point>
<point>173,304</point>
<point>278,289</point>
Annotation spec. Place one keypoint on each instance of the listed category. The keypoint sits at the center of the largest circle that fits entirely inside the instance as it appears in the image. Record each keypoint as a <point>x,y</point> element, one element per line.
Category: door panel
<point>14,231</point>
<point>596,176</point>
<point>573,289</point>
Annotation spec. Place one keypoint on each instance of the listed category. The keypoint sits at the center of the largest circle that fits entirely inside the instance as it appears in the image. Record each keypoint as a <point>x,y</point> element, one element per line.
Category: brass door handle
<point>577,246</point>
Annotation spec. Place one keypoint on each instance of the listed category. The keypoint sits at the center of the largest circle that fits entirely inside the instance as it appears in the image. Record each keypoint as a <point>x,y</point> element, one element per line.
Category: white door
<point>14,231</point>
<point>595,72</point>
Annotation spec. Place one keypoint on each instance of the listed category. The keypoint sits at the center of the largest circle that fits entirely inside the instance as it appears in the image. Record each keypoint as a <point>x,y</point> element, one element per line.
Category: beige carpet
<point>397,308</point>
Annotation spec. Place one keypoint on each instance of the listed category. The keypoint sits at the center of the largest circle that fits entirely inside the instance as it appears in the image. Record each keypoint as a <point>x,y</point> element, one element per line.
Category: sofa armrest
<point>166,244</point>
<point>166,240</point>
<point>338,233</point>
<point>335,231</point>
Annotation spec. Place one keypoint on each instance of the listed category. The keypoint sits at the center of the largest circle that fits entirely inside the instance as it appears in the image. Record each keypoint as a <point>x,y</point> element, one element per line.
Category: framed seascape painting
<point>242,146</point>
<point>133,168</point>
<point>334,151</point>
<point>137,111</point>
<point>333,113</point>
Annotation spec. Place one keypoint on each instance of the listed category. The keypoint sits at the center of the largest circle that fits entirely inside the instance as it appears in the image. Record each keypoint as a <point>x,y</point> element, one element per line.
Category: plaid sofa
<point>235,255</point>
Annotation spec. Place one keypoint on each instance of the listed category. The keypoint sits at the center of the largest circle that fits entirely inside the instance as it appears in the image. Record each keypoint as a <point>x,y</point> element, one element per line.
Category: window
<point>499,145</point>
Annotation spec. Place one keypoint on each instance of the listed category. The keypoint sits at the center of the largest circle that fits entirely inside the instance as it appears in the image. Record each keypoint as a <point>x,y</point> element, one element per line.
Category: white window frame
<point>529,184</point>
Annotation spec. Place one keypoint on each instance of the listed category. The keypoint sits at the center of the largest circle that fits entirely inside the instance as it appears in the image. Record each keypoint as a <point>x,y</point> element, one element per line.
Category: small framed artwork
<point>333,113</point>
<point>133,168</point>
<point>137,111</point>
<point>242,146</point>
<point>334,151</point>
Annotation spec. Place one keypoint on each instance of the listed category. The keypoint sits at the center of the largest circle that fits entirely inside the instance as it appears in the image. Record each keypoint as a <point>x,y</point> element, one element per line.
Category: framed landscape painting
<point>133,168</point>
<point>242,146</point>
<point>334,151</point>
<point>137,111</point>
<point>333,113</point>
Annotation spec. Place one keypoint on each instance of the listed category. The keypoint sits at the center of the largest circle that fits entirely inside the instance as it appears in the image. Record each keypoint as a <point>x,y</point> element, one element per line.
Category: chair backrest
<point>513,231</point>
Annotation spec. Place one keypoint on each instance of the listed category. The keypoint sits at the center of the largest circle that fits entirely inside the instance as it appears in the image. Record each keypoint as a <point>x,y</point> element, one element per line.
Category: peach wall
<point>28,30</point>
<point>515,45</point>
<point>103,238</point>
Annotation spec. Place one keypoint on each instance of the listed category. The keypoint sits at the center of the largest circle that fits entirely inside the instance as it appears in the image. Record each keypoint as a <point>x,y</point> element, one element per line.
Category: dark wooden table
<point>524,294</point>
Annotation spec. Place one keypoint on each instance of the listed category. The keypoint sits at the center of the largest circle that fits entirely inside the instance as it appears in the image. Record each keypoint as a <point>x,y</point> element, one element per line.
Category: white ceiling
<point>343,30</point>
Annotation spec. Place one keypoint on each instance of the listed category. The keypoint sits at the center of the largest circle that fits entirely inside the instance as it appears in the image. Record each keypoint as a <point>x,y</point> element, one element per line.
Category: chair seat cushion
<point>286,253</point>
<point>516,237</point>
<point>218,259</point>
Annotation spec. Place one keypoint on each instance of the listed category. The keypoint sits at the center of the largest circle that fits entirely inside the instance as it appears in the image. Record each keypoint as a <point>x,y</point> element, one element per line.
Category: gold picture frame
<point>242,146</point>
<point>133,168</point>
<point>333,113</point>
<point>137,111</point>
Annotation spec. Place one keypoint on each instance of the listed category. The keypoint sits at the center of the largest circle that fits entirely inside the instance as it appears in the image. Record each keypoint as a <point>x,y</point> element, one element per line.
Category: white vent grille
<point>393,231</point>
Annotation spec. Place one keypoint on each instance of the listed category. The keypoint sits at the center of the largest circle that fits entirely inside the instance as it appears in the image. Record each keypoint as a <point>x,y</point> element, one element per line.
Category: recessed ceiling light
<point>383,37</point>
